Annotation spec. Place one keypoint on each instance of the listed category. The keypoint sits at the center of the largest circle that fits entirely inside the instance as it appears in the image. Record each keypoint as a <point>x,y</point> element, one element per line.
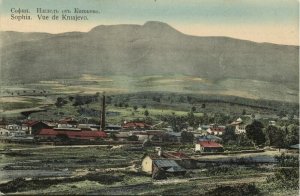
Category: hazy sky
<point>273,21</point>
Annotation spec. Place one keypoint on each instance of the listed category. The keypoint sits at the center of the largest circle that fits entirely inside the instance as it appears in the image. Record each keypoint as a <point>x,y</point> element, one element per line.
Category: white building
<point>239,126</point>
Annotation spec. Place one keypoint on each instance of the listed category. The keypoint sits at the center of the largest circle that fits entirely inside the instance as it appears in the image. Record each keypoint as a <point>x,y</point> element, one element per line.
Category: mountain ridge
<point>148,49</point>
<point>148,23</point>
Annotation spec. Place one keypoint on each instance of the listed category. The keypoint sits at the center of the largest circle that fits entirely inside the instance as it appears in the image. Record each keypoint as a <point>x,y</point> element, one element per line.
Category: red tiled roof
<point>49,132</point>
<point>210,144</point>
<point>219,129</point>
<point>73,134</point>
<point>135,124</point>
<point>30,122</point>
<point>180,155</point>
<point>68,121</point>
<point>3,122</point>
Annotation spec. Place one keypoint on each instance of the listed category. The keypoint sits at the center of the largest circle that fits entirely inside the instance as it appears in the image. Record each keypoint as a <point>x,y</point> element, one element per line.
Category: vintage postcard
<point>149,97</point>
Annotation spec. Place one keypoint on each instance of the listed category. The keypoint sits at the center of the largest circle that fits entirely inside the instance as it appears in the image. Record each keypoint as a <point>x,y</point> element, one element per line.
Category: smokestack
<point>103,113</point>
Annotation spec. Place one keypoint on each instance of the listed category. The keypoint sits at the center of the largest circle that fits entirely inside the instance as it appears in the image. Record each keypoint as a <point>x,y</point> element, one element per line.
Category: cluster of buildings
<point>32,130</point>
<point>206,137</point>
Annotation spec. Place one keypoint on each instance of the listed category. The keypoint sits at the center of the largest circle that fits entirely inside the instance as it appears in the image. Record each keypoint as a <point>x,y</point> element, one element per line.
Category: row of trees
<point>257,134</point>
<point>283,108</point>
<point>180,122</point>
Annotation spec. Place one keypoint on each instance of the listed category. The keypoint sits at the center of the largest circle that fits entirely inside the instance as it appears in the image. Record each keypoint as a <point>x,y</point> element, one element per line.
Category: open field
<point>90,84</point>
<point>105,170</point>
<point>172,91</point>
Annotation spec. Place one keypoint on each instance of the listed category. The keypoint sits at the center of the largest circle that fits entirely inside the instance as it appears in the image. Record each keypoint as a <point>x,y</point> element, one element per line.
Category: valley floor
<point>102,170</point>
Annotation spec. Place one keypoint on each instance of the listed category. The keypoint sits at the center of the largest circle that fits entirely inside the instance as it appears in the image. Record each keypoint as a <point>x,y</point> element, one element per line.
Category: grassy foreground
<point>110,170</point>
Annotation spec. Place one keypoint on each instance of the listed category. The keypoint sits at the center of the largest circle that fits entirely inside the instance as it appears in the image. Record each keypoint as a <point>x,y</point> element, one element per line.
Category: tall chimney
<point>103,113</point>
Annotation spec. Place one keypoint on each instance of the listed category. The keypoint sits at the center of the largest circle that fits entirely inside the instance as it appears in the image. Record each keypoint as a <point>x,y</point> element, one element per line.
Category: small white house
<point>4,132</point>
<point>13,127</point>
<point>215,130</point>
<point>272,123</point>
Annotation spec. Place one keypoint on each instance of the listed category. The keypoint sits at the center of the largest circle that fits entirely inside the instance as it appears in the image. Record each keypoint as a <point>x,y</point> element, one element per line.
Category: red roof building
<point>29,123</point>
<point>33,126</point>
<point>135,125</point>
<point>208,146</point>
<point>68,122</point>
<point>69,134</point>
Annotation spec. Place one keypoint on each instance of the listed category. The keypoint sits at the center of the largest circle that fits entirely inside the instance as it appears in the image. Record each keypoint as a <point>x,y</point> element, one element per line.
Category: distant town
<point>176,146</point>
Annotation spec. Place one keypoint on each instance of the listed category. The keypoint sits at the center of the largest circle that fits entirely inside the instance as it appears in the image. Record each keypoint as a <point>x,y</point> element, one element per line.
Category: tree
<point>133,138</point>
<point>191,118</point>
<point>181,99</point>
<point>60,102</point>
<point>275,136</point>
<point>203,105</point>
<point>108,99</point>
<point>243,140</point>
<point>189,99</point>
<point>291,135</point>
<point>255,133</point>
<point>244,112</point>
<point>146,113</point>
<point>71,98</point>
<point>144,106</point>
<point>229,134</point>
<point>187,137</point>
<point>205,118</point>
<point>177,122</point>
<point>287,176</point>
<point>135,108</point>
<point>156,99</point>
<point>281,114</point>
<point>193,109</point>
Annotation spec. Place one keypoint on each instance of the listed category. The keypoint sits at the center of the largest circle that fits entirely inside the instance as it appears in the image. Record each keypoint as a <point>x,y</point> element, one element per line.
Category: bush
<point>243,189</point>
<point>133,138</point>
<point>187,137</point>
<point>287,176</point>
<point>287,160</point>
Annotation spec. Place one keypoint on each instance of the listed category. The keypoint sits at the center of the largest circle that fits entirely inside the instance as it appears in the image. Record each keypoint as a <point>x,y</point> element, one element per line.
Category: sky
<point>275,21</point>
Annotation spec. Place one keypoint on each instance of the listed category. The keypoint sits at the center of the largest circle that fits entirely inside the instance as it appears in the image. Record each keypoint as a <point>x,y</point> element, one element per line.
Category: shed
<point>169,165</point>
<point>151,163</point>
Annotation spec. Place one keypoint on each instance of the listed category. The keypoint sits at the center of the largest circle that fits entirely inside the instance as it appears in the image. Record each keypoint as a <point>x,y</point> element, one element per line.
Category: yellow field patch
<point>88,77</point>
<point>13,100</point>
<point>90,90</point>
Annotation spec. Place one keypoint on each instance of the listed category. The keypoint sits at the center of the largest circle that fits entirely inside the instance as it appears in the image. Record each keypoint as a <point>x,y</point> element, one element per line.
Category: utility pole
<point>103,113</point>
